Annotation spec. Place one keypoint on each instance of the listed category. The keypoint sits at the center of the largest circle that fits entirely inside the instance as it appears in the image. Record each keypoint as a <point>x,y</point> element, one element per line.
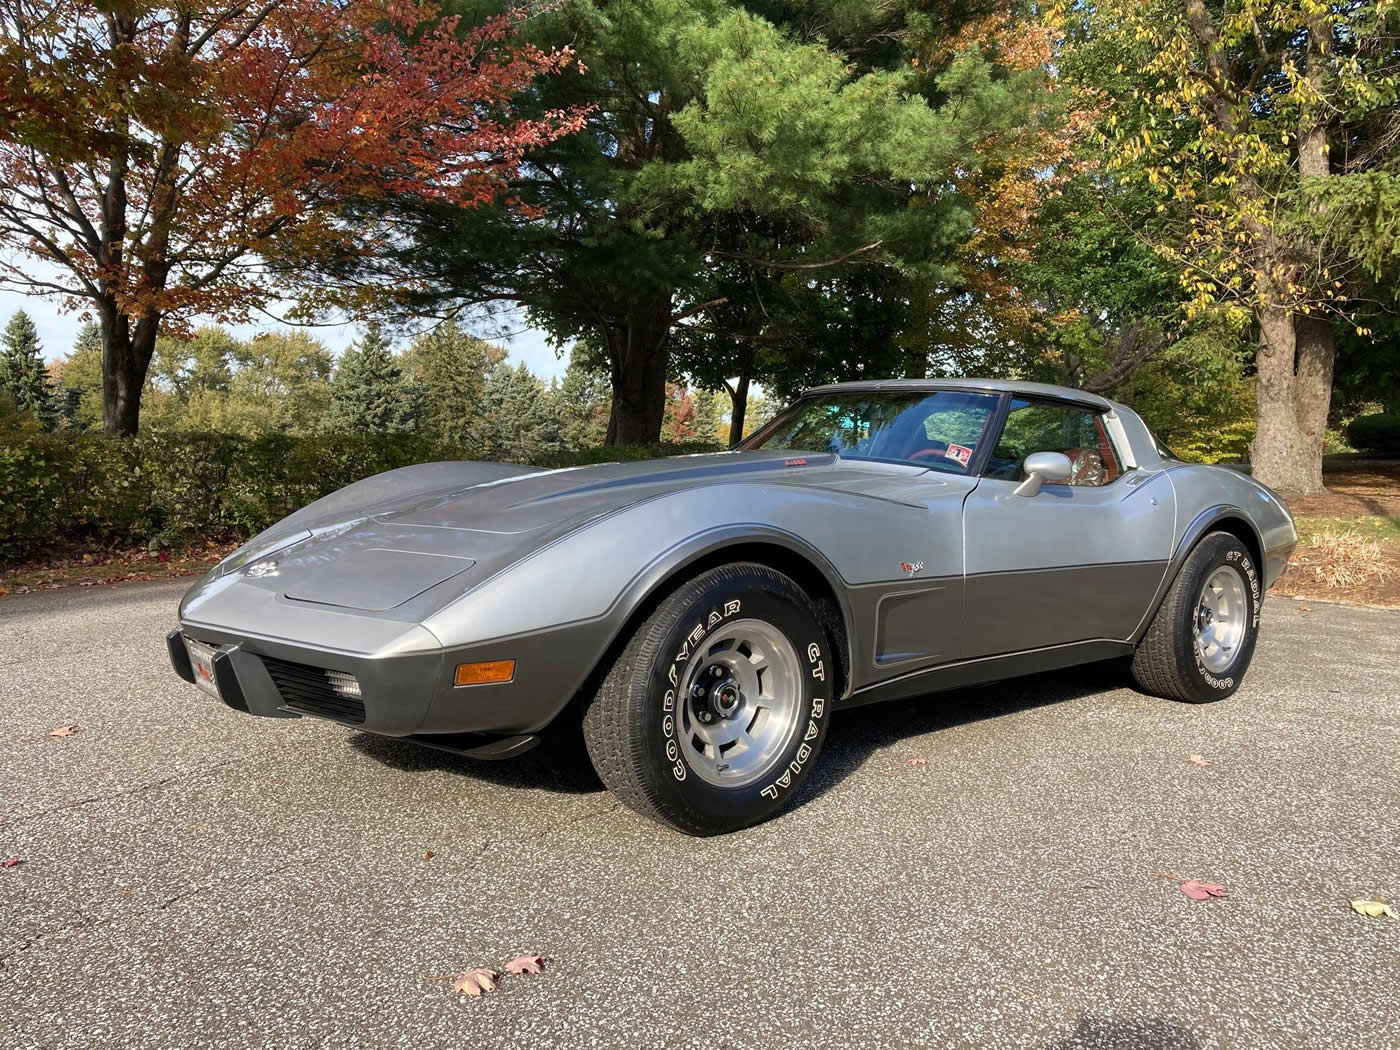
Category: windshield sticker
<point>959,453</point>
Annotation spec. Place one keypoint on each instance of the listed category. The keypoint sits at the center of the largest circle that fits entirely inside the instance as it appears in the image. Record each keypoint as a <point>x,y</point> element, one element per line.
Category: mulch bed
<point>93,567</point>
<point>1355,488</point>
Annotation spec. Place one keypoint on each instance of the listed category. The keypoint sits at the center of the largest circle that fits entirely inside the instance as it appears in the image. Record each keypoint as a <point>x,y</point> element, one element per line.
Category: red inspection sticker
<point>958,453</point>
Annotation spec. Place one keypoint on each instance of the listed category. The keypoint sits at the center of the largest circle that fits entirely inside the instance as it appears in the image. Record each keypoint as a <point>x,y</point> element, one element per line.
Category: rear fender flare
<point>1202,524</point>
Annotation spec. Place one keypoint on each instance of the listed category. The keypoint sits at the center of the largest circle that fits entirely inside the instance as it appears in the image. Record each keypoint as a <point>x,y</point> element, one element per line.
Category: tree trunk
<point>638,355</point>
<point>1304,370</point>
<point>1284,455</point>
<point>126,357</point>
<point>739,403</point>
<point>1312,388</point>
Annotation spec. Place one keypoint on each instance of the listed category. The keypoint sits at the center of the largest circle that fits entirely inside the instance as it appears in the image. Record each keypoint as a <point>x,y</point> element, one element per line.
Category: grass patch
<point>1380,528</point>
<point>1343,553</point>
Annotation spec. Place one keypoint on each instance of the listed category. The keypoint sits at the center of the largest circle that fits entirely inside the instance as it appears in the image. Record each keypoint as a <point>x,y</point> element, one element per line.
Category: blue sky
<point>58,330</point>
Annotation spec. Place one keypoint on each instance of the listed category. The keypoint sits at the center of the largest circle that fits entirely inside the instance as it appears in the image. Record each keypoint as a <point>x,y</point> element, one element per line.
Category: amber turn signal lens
<point>485,673</point>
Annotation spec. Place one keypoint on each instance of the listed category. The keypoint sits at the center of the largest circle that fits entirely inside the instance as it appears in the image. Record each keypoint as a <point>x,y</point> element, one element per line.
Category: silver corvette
<point>704,615</point>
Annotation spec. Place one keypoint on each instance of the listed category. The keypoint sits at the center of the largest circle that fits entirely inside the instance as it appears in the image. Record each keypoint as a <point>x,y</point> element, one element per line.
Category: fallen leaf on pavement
<point>1200,760</point>
<point>1374,909</point>
<point>522,964</point>
<point>918,763</point>
<point>11,862</point>
<point>1202,891</point>
<point>476,981</point>
<point>1305,608</point>
<point>67,729</point>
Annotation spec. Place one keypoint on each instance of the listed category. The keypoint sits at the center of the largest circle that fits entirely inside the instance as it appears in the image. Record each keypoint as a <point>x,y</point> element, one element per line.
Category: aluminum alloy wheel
<point>1222,611</point>
<point>738,703</point>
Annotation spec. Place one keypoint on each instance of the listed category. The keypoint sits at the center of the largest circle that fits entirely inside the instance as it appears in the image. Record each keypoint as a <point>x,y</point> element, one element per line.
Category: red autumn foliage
<point>172,160</point>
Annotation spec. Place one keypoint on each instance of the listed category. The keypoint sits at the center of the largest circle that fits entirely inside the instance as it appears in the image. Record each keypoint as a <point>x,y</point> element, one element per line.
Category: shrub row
<point>1378,433</point>
<point>163,487</point>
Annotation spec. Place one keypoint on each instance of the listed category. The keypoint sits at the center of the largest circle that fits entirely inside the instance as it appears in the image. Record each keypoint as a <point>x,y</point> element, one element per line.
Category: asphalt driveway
<point>194,877</point>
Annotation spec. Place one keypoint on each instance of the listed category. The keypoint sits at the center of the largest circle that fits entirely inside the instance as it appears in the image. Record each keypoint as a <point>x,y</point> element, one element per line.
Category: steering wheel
<point>929,453</point>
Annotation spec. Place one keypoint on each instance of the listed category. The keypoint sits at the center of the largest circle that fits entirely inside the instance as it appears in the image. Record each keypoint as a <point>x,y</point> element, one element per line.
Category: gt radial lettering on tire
<point>804,752</point>
<point>708,719</point>
<point>1200,642</point>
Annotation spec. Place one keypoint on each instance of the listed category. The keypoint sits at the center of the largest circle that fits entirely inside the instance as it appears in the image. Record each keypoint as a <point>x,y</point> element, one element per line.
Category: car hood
<point>538,499</point>
<point>380,552</point>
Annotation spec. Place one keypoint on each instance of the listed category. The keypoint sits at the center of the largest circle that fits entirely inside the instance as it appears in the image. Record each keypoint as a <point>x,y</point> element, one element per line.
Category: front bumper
<point>408,694</point>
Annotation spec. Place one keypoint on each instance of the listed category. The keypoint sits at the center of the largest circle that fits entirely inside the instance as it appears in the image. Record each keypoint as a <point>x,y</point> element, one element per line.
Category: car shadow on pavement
<point>1126,1033</point>
<point>561,764</point>
<point>859,732</point>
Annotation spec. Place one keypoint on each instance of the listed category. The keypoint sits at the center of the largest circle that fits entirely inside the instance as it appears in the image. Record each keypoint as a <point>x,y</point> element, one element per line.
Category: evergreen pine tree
<point>521,424</point>
<point>450,367</point>
<point>369,391</point>
<point>583,401</point>
<point>708,411</point>
<point>23,372</point>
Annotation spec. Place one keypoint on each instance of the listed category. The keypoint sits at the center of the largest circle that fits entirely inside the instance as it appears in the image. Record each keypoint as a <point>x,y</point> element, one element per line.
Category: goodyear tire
<point>712,716</point>
<point>1200,643</point>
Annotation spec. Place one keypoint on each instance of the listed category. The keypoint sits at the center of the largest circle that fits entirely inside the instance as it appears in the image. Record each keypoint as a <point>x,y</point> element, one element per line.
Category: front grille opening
<point>318,691</point>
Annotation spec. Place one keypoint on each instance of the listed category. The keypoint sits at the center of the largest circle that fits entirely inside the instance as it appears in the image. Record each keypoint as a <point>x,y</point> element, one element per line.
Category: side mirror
<point>1041,467</point>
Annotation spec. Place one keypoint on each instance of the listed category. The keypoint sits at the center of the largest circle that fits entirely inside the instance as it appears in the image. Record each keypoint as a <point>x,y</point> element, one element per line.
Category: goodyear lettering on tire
<point>670,722</point>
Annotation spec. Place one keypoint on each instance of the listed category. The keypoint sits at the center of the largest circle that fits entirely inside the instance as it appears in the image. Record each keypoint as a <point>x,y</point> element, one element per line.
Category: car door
<point>1078,560</point>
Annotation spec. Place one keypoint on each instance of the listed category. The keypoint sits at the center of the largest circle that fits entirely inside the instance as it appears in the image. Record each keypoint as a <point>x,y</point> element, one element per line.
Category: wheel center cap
<point>1205,618</point>
<point>725,697</point>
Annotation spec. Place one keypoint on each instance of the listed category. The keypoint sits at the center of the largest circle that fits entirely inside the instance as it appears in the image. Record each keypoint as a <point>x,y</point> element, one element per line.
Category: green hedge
<point>62,489</point>
<point>1377,433</point>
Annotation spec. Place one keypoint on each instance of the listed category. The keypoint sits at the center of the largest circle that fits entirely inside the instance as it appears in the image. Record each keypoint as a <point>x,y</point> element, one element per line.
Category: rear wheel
<point>712,715</point>
<point>1199,644</point>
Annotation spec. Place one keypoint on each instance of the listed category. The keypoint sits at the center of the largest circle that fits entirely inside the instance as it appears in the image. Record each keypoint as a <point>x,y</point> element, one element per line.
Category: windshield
<point>940,430</point>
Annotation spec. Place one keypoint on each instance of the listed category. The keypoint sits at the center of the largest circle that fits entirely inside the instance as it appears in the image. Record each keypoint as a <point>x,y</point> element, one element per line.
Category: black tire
<point>1168,662</point>
<point>638,729</point>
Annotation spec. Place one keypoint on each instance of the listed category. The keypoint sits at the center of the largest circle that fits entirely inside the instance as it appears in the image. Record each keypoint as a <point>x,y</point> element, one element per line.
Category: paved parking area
<point>198,878</point>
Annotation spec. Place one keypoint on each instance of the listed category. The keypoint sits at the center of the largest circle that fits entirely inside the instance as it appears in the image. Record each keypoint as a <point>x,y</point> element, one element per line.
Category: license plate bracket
<point>202,664</point>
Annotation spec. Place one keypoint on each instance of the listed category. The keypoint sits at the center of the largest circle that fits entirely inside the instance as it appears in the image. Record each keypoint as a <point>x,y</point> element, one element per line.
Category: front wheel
<point>712,715</point>
<point>1199,644</point>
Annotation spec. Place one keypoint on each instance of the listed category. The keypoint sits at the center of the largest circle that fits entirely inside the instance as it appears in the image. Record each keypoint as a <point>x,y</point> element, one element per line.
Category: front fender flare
<point>671,565</point>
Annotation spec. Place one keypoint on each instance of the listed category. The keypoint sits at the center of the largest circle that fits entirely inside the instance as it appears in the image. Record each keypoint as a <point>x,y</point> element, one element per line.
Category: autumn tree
<point>159,162</point>
<point>1092,301</point>
<point>195,362</point>
<point>276,382</point>
<point>1247,121</point>
<point>78,380</point>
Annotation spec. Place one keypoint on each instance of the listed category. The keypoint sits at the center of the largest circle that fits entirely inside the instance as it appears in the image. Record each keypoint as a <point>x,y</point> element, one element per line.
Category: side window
<point>1044,426</point>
